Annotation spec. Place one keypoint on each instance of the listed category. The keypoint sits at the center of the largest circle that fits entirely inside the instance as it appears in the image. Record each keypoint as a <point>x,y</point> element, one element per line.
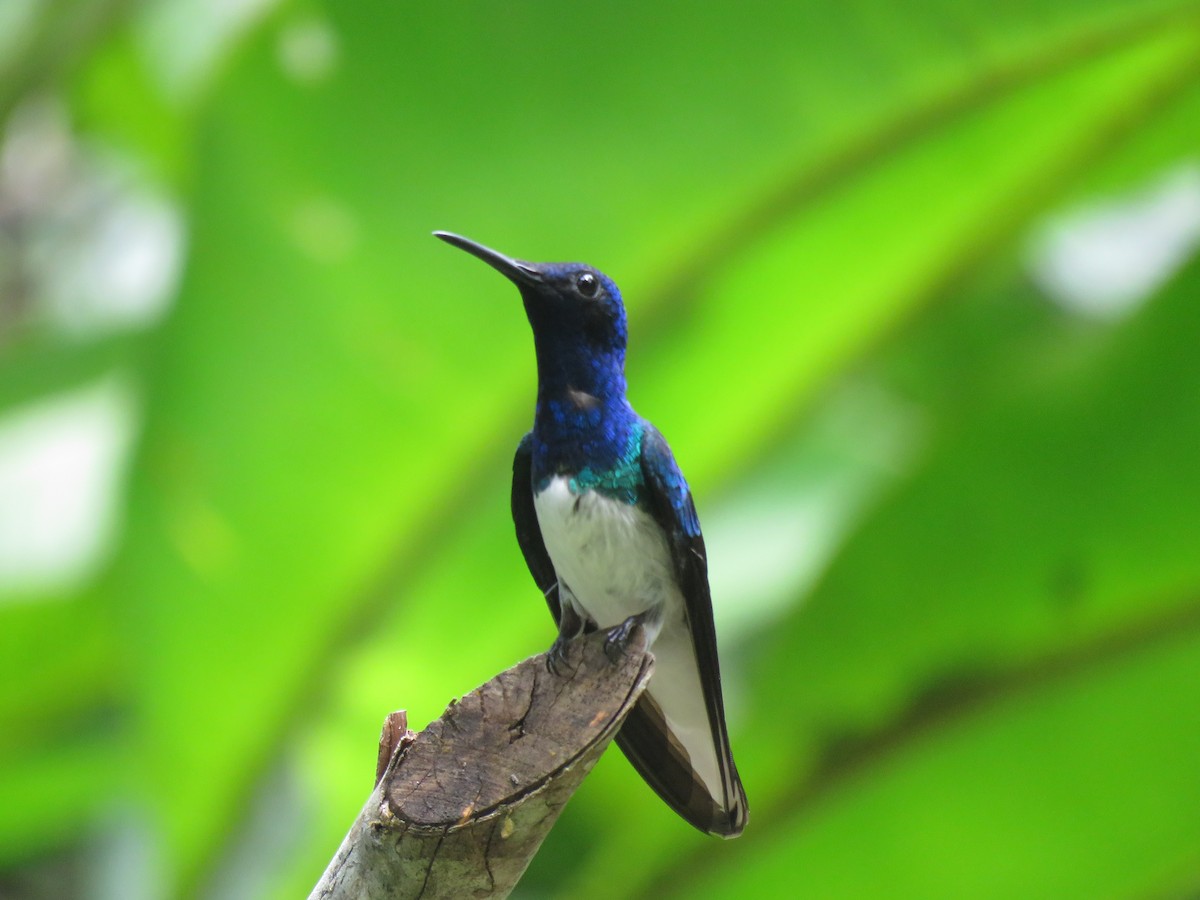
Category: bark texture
<point>461,808</point>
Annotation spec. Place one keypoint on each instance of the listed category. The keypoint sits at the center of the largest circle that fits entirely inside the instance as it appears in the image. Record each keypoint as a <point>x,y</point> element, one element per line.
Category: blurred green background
<point>913,291</point>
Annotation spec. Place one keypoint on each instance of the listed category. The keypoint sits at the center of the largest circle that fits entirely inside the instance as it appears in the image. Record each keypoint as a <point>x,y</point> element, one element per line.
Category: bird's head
<point>574,309</point>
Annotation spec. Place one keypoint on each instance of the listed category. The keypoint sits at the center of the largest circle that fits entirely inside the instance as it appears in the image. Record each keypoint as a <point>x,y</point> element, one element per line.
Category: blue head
<point>578,324</point>
<point>583,424</point>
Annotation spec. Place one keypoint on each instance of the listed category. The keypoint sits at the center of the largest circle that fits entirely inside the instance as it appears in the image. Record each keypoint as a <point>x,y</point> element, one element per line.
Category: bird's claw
<point>617,641</point>
<point>556,658</point>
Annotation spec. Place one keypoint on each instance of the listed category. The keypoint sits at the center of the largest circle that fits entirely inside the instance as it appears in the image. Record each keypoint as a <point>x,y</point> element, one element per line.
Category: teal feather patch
<point>623,482</point>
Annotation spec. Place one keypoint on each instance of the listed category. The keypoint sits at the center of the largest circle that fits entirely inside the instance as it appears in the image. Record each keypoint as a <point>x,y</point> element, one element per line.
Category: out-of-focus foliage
<point>913,291</point>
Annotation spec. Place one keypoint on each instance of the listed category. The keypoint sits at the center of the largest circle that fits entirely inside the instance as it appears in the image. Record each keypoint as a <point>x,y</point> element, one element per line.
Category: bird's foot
<point>617,641</point>
<point>570,626</point>
<point>556,657</point>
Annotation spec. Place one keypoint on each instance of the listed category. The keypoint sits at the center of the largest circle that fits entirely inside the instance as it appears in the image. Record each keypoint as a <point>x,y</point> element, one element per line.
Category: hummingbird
<point>608,529</point>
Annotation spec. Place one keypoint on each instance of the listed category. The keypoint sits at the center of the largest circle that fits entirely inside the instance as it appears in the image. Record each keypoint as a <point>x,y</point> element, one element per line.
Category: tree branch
<point>461,808</point>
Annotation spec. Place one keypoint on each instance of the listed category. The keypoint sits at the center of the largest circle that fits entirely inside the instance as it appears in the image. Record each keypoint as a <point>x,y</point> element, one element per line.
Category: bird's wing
<point>529,533</point>
<point>645,738</point>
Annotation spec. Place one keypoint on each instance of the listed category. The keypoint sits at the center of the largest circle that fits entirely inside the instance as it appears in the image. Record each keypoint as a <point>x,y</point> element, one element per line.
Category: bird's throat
<point>592,439</point>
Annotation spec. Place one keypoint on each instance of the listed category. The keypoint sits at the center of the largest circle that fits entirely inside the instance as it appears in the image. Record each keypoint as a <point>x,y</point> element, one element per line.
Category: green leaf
<point>791,198</point>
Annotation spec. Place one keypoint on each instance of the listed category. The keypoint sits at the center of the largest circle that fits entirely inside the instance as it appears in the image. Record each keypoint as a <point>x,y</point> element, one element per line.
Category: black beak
<point>519,272</point>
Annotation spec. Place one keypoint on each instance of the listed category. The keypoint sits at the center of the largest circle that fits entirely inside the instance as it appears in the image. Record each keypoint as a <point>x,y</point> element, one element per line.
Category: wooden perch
<point>460,809</point>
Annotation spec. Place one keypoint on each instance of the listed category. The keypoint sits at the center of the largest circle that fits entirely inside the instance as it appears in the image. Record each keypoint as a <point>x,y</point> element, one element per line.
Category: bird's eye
<point>587,284</point>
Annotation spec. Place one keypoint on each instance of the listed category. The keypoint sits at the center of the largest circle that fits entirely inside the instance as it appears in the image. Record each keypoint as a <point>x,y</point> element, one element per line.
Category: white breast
<point>612,556</point>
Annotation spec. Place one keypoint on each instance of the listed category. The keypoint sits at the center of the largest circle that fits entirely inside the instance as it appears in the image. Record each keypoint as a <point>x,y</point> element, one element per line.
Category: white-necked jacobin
<point>607,525</point>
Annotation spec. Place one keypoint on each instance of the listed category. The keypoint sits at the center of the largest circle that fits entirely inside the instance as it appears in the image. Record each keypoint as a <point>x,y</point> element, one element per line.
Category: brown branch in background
<point>63,34</point>
<point>460,809</point>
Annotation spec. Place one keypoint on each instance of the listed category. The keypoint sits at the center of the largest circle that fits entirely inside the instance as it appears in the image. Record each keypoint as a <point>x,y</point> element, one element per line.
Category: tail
<point>677,740</point>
